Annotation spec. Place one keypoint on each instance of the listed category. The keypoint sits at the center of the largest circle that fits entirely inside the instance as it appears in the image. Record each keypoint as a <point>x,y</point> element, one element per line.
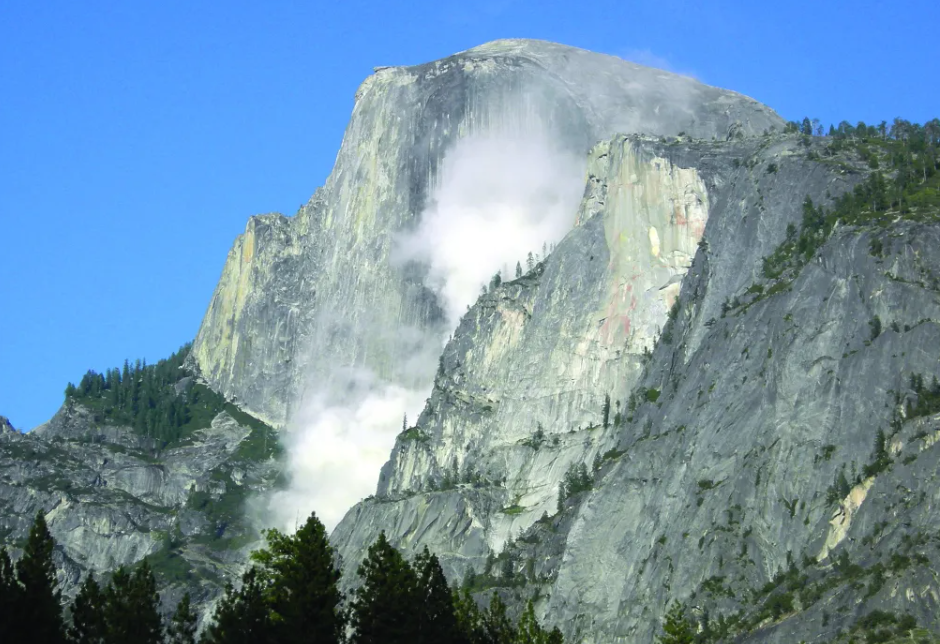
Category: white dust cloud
<point>495,200</point>
<point>339,443</point>
<point>498,198</point>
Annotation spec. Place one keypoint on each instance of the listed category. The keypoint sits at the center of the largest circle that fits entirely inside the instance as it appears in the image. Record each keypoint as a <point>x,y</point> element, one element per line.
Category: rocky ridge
<point>112,497</point>
<point>735,403</point>
<point>717,475</point>
<point>271,336</point>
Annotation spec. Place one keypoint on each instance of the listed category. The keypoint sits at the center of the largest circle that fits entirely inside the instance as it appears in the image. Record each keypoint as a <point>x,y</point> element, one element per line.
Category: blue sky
<point>137,138</point>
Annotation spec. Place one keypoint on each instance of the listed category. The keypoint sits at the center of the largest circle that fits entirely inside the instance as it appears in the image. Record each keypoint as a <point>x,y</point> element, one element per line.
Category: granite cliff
<point>716,472</point>
<point>113,497</point>
<point>647,415</point>
<point>301,295</point>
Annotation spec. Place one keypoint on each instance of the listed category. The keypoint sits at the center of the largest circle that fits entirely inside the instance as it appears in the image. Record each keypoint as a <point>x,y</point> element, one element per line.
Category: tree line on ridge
<point>289,594</point>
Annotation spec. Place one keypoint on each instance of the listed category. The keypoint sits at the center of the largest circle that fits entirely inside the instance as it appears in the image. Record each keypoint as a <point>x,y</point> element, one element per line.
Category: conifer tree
<point>437,621</point>
<point>182,628</point>
<point>384,605</point>
<point>10,598</point>
<point>302,585</point>
<point>242,616</point>
<point>518,270</point>
<point>88,625</point>
<point>39,608</point>
<point>806,127</point>
<point>530,631</point>
<point>677,629</point>
<point>131,607</point>
<point>469,617</point>
<point>497,627</point>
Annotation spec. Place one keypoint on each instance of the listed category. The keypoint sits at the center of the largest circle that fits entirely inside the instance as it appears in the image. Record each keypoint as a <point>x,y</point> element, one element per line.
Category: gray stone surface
<point>111,498</point>
<point>300,297</point>
<point>730,457</point>
<point>728,425</point>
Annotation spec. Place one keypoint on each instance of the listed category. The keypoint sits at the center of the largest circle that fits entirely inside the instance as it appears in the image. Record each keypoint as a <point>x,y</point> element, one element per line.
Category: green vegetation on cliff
<point>903,185</point>
<point>160,401</point>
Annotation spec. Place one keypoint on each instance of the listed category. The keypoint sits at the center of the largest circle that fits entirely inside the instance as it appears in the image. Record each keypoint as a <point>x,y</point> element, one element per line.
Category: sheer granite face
<point>304,296</point>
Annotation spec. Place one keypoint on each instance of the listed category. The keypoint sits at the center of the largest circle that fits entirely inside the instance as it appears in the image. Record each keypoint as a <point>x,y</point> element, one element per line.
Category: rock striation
<point>112,498</point>
<point>736,409</point>
<point>300,297</point>
<point>641,418</point>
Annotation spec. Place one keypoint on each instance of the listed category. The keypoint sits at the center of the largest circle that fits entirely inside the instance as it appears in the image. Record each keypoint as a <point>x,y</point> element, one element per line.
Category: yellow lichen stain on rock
<point>895,446</point>
<point>505,335</point>
<point>247,250</point>
<point>647,200</point>
<point>248,245</point>
<point>842,519</point>
<point>228,303</point>
<point>654,242</point>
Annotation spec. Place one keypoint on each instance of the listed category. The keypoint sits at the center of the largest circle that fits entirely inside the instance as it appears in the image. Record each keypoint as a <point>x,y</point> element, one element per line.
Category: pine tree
<point>182,629</point>
<point>437,620</point>
<point>507,568</point>
<point>530,631</point>
<point>606,410</point>
<point>10,600</point>
<point>125,383</point>
<point>383,610</point>
<point>88,624</point>
<point>131,607</point>
<point>677,629</point>
<point>469,618</point>
<point>302,589</point>
<point>495,281</point>
<point>39,606</point>
<point>496,625</point>
<point>242,616</point>
<point>518,270</point>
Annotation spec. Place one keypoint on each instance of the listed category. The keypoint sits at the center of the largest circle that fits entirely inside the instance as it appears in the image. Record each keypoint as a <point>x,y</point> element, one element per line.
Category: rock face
<point>718,471</point>
<point>301,296</point>
<point>521,390</point>
<point>111,498</point>
<point>641,418</point>
<point>732,412</point>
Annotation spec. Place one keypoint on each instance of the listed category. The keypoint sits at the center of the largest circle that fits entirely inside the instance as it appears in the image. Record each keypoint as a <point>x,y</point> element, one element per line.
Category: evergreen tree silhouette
<point>10,599</point>
<point>131,607</point>
<point>437,621</point>
<point>383,610</point>
<point>242,617</point>
<point>677,629</point>
<point>531,632</point>
<point>302,585</point>
<point>496,624</point>
<point>88,625</point>
<point>182,629</point>
<point>38,608</point>
<point>469,617</point>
